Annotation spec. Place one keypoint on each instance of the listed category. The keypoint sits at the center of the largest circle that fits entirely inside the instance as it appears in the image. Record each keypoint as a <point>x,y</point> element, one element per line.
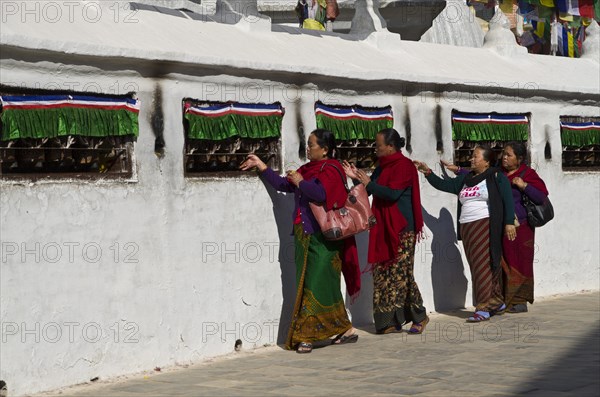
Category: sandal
<point>341,339</point>
<point>418,328</point>
<point>304,347</point>
<point>518,308</point>
<point>478,317</point>
<point>499,311</point>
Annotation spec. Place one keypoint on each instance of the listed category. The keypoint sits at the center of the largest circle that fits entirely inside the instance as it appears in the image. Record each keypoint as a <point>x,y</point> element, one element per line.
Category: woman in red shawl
<point>518,254</point>
<point>319,312</point>
<point>397,207</point>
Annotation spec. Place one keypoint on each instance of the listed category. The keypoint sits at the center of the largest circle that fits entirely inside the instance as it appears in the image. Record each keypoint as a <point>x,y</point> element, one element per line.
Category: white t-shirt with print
<point>474,202</point>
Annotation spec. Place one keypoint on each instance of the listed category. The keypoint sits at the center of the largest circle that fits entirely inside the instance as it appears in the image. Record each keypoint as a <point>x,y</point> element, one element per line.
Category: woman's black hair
<point>487,153</point>
<point>519,149</point>
<point>392,138</point>
<point>326,139</point>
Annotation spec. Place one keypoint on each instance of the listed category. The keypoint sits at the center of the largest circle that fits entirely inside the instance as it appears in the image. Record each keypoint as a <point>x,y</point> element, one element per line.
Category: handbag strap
<point>344,180</point>
<point>524,197</point>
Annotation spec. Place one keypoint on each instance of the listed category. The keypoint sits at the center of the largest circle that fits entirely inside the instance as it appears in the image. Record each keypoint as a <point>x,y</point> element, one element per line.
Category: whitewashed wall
<point>210,260</point>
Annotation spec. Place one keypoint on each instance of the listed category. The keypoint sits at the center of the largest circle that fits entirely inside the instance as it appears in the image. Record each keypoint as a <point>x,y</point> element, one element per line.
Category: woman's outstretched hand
<point>511,232</point>
<point>421,166</point>
<point>253,161</point>
<point>450,166</point>
<point>350,169</point>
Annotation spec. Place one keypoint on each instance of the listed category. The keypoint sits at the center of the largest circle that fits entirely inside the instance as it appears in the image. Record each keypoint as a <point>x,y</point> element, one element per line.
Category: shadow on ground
<point>574,373</point>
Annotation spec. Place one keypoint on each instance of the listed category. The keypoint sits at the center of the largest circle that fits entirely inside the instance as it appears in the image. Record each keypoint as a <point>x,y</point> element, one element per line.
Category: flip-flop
<point>478,317</point>
<point>418,328</point>
<point>340,340</point>
<point>305,346</point>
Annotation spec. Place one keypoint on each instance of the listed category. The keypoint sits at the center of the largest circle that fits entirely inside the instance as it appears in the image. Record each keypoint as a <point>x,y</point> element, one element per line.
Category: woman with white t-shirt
<point>485,212</point>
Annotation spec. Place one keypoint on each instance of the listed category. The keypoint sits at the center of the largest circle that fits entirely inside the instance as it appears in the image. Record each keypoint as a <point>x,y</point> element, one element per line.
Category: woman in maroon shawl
<point>394,185</point>
<point>518,254</point>
<point>319,312</point>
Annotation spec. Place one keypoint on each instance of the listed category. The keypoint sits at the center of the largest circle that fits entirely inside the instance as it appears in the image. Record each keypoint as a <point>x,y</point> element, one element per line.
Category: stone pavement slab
<point>553,350</point>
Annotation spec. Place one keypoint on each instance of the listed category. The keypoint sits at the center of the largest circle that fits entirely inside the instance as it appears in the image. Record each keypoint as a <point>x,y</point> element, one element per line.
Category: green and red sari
<point>319,311</point>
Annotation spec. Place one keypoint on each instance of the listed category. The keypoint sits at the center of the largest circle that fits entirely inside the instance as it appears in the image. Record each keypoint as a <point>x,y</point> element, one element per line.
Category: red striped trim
<point>358,117</point>
<point>233,111</point>
<point>70,105</point>
<point>490,122</point>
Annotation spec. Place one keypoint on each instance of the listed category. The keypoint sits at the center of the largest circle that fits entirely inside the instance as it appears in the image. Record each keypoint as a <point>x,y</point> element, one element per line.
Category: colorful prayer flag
<point>586,8</point>
<point>570,41</point>
<point>573,7</point>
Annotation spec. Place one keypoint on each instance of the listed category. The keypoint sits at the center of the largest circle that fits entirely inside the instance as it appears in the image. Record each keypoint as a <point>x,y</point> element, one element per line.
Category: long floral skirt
<point>319,311</point>
<point>487,283</point>
<point>396,296</point>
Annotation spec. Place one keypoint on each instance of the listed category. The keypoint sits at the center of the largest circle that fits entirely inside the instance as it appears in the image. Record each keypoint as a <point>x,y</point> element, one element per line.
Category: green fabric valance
<point>224,121</point>
<point>580,134</point>
<point>353,122</point>
<point>55,116</point>
<point>489,127</point>
<point>353,129</point>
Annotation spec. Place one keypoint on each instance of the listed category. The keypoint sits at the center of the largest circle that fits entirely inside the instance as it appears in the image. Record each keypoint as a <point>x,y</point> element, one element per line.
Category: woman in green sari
<point>319,312</point>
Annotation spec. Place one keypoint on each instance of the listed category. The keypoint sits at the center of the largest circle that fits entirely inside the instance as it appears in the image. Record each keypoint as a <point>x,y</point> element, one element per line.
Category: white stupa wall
<point>187,266</point>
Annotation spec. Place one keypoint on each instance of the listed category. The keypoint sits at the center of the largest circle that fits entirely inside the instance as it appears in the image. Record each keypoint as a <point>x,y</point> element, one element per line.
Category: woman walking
<point>485,212</point>
<point>319,312</point>
<point>397,207</point>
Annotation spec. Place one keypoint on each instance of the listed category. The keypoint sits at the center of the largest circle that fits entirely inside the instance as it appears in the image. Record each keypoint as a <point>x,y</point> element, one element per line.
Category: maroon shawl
<point>336,194</point>
<point>530,177</point>
<point>397,172</point>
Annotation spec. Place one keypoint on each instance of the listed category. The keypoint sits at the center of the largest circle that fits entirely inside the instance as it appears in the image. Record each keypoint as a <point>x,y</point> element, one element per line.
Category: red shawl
<point>529,177</point>
<point>336,194</point>
<point>397,172</point>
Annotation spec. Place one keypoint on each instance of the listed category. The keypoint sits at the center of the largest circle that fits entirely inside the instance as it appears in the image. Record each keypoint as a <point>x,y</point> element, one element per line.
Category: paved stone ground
<point>554,350</point>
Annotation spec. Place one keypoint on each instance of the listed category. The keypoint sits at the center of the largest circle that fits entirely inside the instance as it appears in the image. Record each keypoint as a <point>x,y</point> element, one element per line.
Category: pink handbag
<point>354,217</point>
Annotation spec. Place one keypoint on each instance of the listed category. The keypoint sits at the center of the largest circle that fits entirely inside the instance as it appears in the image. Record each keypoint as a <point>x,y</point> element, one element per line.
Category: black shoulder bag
<point>537,214</point>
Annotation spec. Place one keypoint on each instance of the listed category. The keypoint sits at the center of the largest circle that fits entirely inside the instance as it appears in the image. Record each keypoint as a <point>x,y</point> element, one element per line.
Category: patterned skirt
<point>396,296</point>
<point>319,311</point>
<point>487,284</point>
<point>518,266</point>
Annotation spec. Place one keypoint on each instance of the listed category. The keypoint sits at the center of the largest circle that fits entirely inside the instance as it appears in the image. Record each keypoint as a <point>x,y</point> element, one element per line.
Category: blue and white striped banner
<point>219,110</point>
<point>354,113</point>
<point>489,118</point>
<point>28,102</point>
<point>581,126</point>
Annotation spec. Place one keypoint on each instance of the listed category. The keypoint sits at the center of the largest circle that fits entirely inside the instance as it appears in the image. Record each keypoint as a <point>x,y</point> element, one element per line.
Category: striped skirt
<point>487,284</point>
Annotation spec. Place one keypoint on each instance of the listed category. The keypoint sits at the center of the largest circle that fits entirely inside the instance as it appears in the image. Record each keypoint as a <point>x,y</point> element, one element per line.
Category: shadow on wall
<point>447,272</point>
<point>283,208</point>
<point>574,373</point>
<point>362,308</point>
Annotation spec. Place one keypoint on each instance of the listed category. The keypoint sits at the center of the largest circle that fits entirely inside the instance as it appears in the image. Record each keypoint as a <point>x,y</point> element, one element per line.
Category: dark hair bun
<point>402,142</point>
